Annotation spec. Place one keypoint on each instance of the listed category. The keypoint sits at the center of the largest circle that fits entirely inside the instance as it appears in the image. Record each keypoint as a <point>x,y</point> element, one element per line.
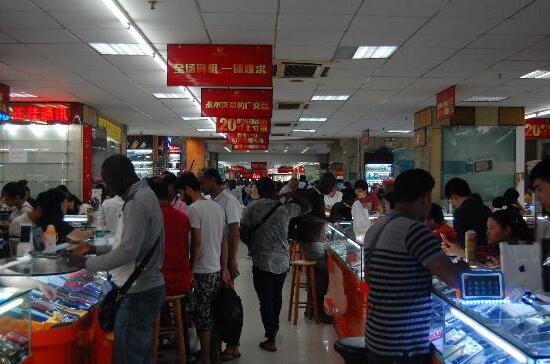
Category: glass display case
<point>15,325</point>
<point>341,242</point>
<point>142,159</point>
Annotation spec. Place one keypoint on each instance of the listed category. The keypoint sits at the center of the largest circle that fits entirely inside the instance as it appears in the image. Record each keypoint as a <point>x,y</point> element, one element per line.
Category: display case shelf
<point>15,325</point>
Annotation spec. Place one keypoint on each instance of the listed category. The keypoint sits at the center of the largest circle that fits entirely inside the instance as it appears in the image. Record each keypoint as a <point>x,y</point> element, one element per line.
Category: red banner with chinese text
<point>538,128</point>
<point>248,138</point>
<point>446,104</point>
<point>220,65</point>
<point>256,166</point>
<point>239,147</point>
<point>66,113</point>
<point>236,103</point>
<point>233,125</point>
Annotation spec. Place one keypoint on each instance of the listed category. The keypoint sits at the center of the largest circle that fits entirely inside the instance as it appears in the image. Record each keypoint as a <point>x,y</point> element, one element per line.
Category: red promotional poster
<point>255,166</point>
<point>4,102</point>
<point>538,128</point>
<point>220,65</point>
<point>239,147</point>
<point>236,103</point>
<point>446,104</point>
<point>233,125</point>
<point>248,138</point>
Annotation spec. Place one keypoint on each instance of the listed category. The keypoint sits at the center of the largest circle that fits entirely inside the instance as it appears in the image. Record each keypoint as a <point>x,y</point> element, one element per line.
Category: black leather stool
<point>352,349</point>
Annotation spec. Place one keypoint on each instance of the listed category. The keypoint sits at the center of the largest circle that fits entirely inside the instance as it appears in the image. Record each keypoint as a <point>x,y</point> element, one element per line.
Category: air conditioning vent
<point>279,135</point>
<point>291,106</point>
<point>298,70</point>
<point>325,71</point>
<point>282,125</point>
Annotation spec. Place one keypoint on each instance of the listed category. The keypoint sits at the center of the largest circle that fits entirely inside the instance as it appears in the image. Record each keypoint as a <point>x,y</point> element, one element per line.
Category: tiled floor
<point>304,343</point>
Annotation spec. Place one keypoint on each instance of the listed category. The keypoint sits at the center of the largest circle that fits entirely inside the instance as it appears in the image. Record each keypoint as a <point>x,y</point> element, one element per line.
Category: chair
<point>177,319</point>
<point>306,267</point>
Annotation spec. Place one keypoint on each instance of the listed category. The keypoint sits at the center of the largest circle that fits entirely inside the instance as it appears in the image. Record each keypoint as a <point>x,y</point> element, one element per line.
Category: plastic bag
<point>361,220</point>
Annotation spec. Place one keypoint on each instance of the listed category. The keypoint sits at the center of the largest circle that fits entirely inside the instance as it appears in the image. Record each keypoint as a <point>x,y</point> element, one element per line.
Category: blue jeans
<point>134,326</point>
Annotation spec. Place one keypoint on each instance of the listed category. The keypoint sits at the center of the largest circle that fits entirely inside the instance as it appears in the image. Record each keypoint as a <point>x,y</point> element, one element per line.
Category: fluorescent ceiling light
<point>305,130</point>
<point>21,94</point>
<point>538,74</point>
<point>117,12</point>
<point>226,148</point>
<point>485,98</point>
<point>208,130</point>
<point>122,49</point>
<point>399,131</point>
<point>545,112</point>
<point>313,119</point>
<point>160,61</point>
<point>491,337</point>
<point>160,95</point>
<point>330,98</point>
<point>530,116</point>
<point>194,118</point>
<point>374,52</point>
<point>305,150</point>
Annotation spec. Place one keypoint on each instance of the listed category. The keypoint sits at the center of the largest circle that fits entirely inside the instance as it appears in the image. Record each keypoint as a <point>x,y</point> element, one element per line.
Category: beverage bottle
<point>49,238</point>
<point>471,241</point>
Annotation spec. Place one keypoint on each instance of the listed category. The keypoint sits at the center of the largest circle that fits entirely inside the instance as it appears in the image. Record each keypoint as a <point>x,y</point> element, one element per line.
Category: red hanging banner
<point>220,65</point>
<point>233,125</point>
<point>4,102</point>
<point>238,147</point>
<point>538,128</point>
<point>446,104</point>
<point>236,103</point>
<point>248,138</point>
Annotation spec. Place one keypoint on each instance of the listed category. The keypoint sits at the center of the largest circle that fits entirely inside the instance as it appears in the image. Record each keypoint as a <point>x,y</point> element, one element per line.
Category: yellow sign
<point>113,131</point>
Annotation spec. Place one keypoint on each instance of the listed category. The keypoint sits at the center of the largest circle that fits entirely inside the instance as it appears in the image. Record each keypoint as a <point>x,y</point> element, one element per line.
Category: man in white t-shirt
<point>211,182</point>
<point>208,257</point>
<point>333,197</point>
<point>112,207</point>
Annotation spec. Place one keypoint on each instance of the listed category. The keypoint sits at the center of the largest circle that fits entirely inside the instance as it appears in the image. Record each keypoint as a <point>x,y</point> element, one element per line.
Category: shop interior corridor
<point>304,343</point>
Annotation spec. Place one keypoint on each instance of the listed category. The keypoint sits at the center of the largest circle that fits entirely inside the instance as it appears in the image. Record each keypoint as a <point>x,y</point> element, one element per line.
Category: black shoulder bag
<point>109,307</point>
<point>246,232</point>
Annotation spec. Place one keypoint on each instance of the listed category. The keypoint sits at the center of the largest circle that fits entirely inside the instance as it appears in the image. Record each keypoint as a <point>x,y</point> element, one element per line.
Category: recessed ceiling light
<point>122,49</point>
<point>313,119</point>
<point>206,130</point>
<point>374,52</point>
<point>194,118</point>
<point>305,130</point>
<point>21,95</point>
<point>485,98</point>
<point>330,98</point>
<point>399,131</point>
<point>537,74</point>
<point>159,95</point>
<point>226,148</point>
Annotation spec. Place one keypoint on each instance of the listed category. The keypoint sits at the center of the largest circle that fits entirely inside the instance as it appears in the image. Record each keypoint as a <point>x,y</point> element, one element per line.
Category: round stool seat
<point>304,263</point>
<point>352,349</point>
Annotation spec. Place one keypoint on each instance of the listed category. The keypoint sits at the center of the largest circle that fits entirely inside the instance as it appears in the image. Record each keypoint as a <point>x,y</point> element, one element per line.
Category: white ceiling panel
<point>222,36</point>
<point>320,6</point>
<point>531,55</point>
<point>181,21</point>
<point>239,21</point>
<point>519,27</point>
<point>386,24</point>
<point>538,10</point>
<point>421,8</point>
<point>140,10</point>
<point>103,36</point>
<point>386,83</point>
<point>424,53</point>
<point>355,39</point>
<point>440,40</point>
<point>472,54</point>
<point>87,20</point>
<point>286,115</point>
<point>26,20</point>
<point>311,38</point>
<point>341,84</point>
<point>315,53</point>
<point>198,36</point>
<point>314,21</point>
<point>74,49</point>
<point>483,9</point>
<point>19,5</point>
<point>505,41</point>
<point>243,6</point>
<point>445,26</point>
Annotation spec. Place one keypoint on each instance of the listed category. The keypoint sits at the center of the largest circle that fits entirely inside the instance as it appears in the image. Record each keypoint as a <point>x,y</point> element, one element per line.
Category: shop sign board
<point>238,169</point>
<point>220,65</point>
<point>236,125</point>
<point>4,102</point>
<point>285,169</point>
<point>240,147</point>
<point>236,103</point>
<point>113,131</point>
<point>43,112</point>
<point>255,166</point>
<point>248,138</point>
<point>140,142</point>
<point>446,104</point>
<point>538,128</point>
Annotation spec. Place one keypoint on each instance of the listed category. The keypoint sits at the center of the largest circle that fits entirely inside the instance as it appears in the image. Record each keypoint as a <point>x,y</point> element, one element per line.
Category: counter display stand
<point>15,325</point>
<point>65,330</point>
<point>513,330</point>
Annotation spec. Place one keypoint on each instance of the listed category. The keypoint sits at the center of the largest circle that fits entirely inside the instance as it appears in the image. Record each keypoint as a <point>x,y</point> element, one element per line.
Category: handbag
<point>109,307</point>
<point>246,232</point>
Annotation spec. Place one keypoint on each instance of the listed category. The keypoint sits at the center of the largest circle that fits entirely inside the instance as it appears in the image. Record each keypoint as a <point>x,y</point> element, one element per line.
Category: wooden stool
<point>296,251</point>
<point>299,267</point>
<point>176,314</point>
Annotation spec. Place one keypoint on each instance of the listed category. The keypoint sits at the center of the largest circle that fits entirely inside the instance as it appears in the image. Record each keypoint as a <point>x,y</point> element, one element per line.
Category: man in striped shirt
<point>399,271</point>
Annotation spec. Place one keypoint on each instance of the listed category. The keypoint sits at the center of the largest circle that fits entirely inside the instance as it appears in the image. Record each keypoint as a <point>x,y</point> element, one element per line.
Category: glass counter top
<point>8,294</point>
<point>523,326</point>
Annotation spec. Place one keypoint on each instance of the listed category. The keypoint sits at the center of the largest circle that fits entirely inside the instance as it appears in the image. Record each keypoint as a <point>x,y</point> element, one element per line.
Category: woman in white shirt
<point>14,195</point>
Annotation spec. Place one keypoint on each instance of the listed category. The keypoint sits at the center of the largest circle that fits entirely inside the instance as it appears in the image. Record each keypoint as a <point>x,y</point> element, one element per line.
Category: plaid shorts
<point>206,287</point>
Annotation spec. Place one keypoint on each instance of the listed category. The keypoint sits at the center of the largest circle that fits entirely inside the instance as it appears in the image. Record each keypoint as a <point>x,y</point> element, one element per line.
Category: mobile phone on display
<point>485,165</point>
<point>26,233</point>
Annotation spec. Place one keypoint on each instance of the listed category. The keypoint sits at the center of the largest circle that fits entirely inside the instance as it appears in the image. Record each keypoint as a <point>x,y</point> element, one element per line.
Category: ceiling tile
<point>173,21</point>
<point>242,6</point>
<point>498,9</point>
<point>305,53</point>
<point>140,10</point>
<point>310,38</point>
<point>424,53</point>
<point>440,40</point>
<point>26,20</point>
<point>356,39</point>
<point>177,36</point>
<point>422,8</point>
<point>444,26</point>
<point>239,21</point>
<point>538,10</point>
<point>63,49</point>
<point>87,19</point>
<point>383,25</point>
<point>320,6</point>
<point>314,21</point>
<point>519,27</point>
<point>505,41</point>
<point>19,5</point>
<point>221,36</point>
<point>386,83</point>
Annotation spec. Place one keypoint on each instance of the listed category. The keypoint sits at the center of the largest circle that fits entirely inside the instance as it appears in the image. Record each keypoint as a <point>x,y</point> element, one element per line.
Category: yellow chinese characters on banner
<point>245,105</point>
<point>113,131</point>
<point>214,68</point>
